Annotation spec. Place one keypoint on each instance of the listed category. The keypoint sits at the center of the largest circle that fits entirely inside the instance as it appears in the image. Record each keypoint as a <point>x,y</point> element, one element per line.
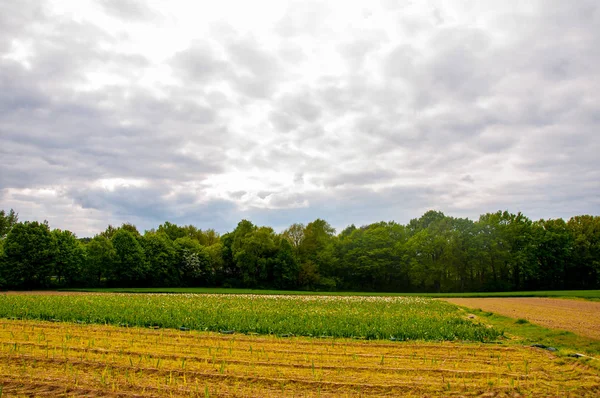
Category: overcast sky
<point>117,111</point>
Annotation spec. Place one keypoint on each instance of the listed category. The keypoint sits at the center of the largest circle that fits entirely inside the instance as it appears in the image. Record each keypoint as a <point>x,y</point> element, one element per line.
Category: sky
<point>209,112</point>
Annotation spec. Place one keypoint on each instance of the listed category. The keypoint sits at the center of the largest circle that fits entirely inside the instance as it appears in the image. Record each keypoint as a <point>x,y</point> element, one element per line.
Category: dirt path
<point>578,316</point>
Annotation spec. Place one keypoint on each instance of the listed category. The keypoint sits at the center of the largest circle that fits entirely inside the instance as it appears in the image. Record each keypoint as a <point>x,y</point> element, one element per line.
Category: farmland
<point>585,294</point>
<point>581,317</point>
<point>184,345</point>
<point>398,318</point>
<point>53,359</point>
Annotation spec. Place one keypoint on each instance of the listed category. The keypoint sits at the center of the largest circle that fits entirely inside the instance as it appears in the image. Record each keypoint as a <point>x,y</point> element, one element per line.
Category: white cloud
<point>207,112</point>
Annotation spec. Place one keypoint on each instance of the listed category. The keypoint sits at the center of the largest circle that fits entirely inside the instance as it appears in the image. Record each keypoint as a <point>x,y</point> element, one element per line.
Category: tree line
<point>434,253</point>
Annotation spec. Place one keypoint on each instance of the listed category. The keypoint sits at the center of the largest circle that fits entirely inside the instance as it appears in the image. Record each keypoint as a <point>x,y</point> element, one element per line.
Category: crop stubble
<point>578,316</point>
<point>51,359</point>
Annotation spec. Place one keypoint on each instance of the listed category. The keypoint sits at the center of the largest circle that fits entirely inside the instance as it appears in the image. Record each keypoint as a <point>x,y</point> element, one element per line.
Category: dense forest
<point>434,253</point>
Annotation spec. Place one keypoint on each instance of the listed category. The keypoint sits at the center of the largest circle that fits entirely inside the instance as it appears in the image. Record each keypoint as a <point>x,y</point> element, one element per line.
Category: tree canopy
<point>434,253</point>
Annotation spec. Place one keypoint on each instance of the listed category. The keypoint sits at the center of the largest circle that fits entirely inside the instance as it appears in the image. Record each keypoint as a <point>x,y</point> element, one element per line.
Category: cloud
<point>359,178</point>
<point>256,71</point>
<point>122,111</point>
<point>199,63</point>
<point>128,10</point>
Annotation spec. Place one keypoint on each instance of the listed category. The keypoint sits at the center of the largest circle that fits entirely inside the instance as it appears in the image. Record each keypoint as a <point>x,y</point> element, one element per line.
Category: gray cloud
<point>359,178</point>
<point>128,9</point>
<point>304,18</point>
<point>256,71</point>
<point>354,115</point>
<point>199,63</point>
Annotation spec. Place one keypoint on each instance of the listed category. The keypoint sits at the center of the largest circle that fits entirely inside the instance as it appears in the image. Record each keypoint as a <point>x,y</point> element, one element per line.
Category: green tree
<point>585,232</point>
<point>173,231</point>
<point>193,261</point>
<point>7,221</point>
<point>212,237</point>
<point>217,263</point>
<point>232,242</point>
<point>100,261</point>
<point>427,251</point>
<point>554,253</point>
<point>317,235</point>
<point>308,275</point>
<point>29,255</point>
<point>196,234</point>
<point>372,258</point>
<point>493,251</point>
<point>427,267</point>
<point>253,257</point>
<point>317,248</point>
<point>295,235</point>
<point>521,239</point>
<point>3,283</point>
<point>459,255</point>
<point>131,229</point>
<point>130,267</point>
<point>431,217</point>
<point>69,259</point>
<point>162,260</point>
<point>109,232</point>
<point>284,267</point>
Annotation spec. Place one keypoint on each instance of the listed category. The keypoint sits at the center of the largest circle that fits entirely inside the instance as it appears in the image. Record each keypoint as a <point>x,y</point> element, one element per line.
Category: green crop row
<point>397,318</point>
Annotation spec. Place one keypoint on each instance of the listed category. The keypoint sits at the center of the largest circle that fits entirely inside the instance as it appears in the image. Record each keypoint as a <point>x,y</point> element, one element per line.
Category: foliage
<point>162,259</point>
<point>401,318</point>
<point>295,235</point>
<point>7,221</point>
<point>29,255</point>
<point>69,258</point>
<point>100,261</point>
<point>193,262</point>
<point>129,267</point>
<point>500,251</point>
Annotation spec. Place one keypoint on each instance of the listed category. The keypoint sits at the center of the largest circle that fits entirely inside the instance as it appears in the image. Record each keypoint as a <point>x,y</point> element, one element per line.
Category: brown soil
<point>578,316</point>
<point>45,359</point>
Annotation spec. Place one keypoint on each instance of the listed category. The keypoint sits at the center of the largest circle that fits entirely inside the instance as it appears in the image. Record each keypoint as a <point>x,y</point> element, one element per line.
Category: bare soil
<point>47,359</point>
<point>577,316</point>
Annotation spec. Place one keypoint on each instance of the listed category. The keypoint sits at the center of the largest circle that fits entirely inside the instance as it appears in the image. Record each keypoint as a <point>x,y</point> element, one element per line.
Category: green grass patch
<point>525,333</point>
<point>586,294</point>
<point>397,318</point>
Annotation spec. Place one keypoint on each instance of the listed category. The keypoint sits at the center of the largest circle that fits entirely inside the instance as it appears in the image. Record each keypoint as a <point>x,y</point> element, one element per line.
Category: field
<point>587,294</point>
<point>398,318</point>
<point>66,359</point>
<point>581,317</point>
<point>247,345</point>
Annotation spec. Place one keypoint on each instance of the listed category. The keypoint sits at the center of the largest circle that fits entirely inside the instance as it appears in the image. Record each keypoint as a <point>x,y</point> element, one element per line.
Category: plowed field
<point>66,359</point>
<point>578,316</point>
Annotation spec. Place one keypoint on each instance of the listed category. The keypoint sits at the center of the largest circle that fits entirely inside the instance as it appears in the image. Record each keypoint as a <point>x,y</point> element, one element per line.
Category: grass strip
<point>522,332</point>
<point>585,294</point>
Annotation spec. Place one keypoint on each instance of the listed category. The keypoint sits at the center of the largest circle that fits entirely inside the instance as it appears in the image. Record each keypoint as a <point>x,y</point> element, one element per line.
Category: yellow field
<point>63,359</point>
<point>578,316</point>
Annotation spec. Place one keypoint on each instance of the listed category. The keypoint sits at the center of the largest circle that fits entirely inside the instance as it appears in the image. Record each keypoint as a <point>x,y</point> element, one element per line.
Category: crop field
<point>587,294</point>
<point>66,359</point>
<point>396,318</point>
<point>581,317</point>
<point>189,345</point>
